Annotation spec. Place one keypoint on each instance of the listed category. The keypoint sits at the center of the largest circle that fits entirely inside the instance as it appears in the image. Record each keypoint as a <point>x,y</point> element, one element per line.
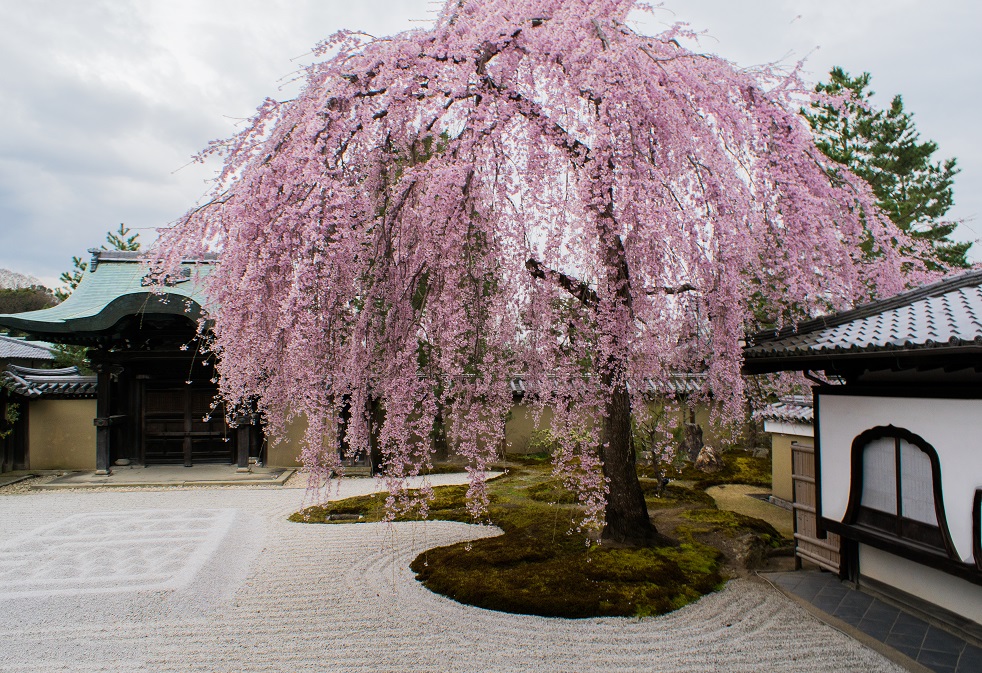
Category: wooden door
<point>179,427</point>
<point>808,546</point>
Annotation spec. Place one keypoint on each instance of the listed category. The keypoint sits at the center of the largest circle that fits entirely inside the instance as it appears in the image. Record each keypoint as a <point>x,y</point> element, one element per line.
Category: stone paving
<point>172,475</point>
<point>926,644</point>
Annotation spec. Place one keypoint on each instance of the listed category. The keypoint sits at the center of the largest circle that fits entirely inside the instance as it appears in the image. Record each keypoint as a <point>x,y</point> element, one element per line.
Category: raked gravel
<point>208,579</point>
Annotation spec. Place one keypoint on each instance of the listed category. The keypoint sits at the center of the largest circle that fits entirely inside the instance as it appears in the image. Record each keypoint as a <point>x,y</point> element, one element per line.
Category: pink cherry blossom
<point>529,188</point>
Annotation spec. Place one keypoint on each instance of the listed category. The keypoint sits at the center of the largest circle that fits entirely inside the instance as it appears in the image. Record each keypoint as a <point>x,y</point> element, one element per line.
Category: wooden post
<point>245,432</point>
<point>102,447</point>
<point>103,442</point>
<point>187,425</point>
<point>374,426</point>
<point>101,421</point>
<point>242,447</point>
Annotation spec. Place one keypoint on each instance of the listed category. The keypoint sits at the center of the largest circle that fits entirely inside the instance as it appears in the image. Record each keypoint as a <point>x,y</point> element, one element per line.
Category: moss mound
<point>538,566</point>
<point>732,524</point>
<point>444,468</point>
<point>448,504</point>
<point>520,574</point>
<point>739,467</point>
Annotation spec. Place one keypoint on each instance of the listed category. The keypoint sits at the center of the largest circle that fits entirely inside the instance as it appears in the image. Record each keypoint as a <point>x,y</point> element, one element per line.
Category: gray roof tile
<point>32,383</point>
<point>945,314</point>
<point>791,409</point>
<point>14,348</point>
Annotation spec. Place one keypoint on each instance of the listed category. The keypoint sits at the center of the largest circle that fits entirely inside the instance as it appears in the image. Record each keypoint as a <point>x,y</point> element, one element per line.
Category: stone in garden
<point>709,460</point>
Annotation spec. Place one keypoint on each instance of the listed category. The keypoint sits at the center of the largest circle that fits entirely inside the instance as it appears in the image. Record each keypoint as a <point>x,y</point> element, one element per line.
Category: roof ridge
<point>35,371</point>
<point>969,278</point>
<point>146,256</point>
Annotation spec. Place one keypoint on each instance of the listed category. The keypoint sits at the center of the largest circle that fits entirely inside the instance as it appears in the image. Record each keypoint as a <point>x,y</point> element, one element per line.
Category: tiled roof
<point>791,409</point>
<point>66,382</point>
<point>14,348</point>
<point>678,385</point>
<point>945,315</point>
<point>117,284</point>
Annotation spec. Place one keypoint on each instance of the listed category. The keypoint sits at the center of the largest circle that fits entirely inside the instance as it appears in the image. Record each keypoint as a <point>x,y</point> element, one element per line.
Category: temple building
<point>889,493</point>
<point>155,385</point>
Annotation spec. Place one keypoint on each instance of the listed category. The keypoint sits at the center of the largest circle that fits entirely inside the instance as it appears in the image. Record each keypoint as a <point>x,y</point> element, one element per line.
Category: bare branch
<point>684,287</point>
<point>370,93</point>
<point>577,288</point>
<point>601,34</point>
<point>680,289</point>
<point>670,58</point>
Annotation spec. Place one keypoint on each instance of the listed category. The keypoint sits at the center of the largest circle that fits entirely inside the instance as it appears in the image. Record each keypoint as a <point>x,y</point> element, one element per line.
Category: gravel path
<point>218,580</point>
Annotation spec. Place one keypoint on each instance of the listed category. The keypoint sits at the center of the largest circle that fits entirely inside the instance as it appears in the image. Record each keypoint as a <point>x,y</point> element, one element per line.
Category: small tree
<point>18,300</point>
<point>530,187</point>
<point>120,239</point>
<point>884,148</point>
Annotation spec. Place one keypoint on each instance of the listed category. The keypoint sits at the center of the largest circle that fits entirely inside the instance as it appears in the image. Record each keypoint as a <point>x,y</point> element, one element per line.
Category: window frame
<point>977,529</point>
<point>874,525</point>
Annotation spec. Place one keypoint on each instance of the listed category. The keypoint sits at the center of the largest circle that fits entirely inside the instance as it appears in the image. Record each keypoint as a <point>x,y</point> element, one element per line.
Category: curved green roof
<point>117,285</point>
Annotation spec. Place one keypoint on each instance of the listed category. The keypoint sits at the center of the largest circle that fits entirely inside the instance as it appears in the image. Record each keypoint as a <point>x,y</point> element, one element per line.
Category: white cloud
<point>105,100</point>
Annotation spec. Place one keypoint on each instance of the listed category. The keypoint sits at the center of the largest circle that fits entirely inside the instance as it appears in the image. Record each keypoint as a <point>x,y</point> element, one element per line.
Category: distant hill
<point>11,280</point>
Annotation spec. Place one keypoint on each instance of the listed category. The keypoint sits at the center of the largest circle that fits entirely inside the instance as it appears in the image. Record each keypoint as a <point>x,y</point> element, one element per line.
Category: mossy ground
<point>739,467</point>
<point>540,567</point>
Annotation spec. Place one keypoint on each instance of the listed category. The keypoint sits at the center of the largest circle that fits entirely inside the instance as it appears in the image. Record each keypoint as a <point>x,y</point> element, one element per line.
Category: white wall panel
<point>934,586</point>
<point>953,427</point>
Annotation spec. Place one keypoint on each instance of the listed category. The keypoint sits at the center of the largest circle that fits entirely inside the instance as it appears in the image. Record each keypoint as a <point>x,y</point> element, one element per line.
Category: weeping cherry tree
<point>529,188</point>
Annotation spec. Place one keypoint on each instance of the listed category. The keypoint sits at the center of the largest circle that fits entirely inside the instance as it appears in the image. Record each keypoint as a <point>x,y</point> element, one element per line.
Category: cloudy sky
<point>103,102</point>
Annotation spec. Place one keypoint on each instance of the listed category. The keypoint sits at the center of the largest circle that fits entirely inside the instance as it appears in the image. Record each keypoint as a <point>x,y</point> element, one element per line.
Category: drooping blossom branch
<point>528,188</point>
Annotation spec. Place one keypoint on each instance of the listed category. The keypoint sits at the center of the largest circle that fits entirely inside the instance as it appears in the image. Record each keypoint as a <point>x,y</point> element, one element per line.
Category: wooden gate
<point>13,442</point>
<point>808,546</point>
<point>179,427</point>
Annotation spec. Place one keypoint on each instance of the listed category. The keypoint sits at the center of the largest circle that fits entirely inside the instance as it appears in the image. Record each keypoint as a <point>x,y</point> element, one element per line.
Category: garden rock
<point>709,460</point>
<point>692,441</point>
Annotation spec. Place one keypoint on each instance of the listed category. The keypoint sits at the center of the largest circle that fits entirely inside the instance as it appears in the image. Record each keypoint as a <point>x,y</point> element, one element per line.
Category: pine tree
<point>884,148</point>
<point>121,240</point>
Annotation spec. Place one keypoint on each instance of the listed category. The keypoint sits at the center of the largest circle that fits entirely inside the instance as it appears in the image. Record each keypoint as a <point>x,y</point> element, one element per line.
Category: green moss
<point>536,458</point>
<point>444,468</point>
<point>739,467</point>
<point>514,573</point>
<point>552,491</point>
<point>538,566</point>
<point>732,524</point>
<point>674,495</point>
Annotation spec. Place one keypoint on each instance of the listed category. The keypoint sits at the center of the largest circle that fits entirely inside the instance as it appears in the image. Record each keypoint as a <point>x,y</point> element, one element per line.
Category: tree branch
<point>577,288</point>
<point>684,287</point>
<point>601,35</point>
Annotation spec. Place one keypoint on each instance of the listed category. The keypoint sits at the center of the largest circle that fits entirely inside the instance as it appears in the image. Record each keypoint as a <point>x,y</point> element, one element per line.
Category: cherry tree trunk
<point>627,520</point>
<point>626,516</point>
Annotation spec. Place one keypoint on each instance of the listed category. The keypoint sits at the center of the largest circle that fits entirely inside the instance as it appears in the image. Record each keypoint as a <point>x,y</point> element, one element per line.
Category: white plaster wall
<point>952,427</point>
<point>934,586</point>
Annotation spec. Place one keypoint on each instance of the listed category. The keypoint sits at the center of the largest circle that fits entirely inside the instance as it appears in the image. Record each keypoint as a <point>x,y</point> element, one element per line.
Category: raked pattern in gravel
<point>218,580</point>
